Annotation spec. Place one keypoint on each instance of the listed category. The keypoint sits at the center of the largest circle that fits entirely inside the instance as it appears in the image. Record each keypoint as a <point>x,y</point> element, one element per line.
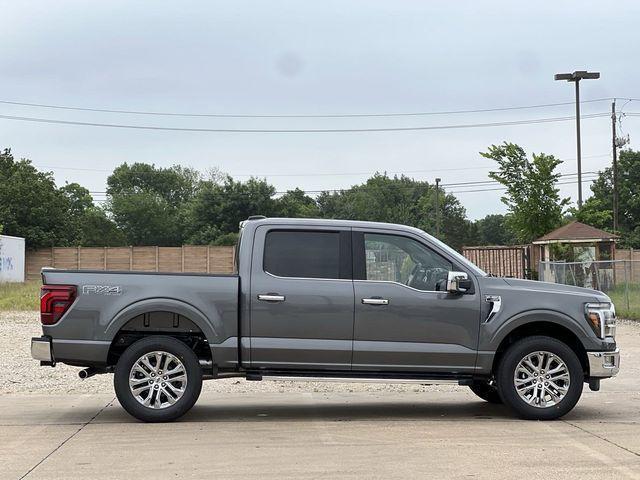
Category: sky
<point>314,58</point>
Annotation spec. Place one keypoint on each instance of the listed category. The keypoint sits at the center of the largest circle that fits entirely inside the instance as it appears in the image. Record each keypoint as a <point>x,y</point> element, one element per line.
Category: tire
<point>554,395</point>
<point>175,393</point>
<point>486,392</point>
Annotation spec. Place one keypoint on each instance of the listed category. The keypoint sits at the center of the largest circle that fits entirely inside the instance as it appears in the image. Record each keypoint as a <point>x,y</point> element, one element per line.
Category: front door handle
<point>375,301</point>
<point>271,297</point>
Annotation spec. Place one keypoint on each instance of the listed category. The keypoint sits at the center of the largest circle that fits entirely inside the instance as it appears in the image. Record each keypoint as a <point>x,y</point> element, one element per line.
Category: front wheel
<point>540,378</point>
<point>158,379</point>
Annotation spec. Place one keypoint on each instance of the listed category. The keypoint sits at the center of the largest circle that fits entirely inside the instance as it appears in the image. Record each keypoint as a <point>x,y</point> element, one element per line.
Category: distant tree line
<point>149,205</point>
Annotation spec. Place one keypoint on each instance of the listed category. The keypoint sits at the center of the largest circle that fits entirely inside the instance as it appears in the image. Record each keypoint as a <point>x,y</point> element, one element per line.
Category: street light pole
<point>438,207</point>
<point>576,77</point>
<point>578,144</point>
<point>615,167</point>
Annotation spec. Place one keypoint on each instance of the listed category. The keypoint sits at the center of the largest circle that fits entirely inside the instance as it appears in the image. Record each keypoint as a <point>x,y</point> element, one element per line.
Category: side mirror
<point>458,282</point>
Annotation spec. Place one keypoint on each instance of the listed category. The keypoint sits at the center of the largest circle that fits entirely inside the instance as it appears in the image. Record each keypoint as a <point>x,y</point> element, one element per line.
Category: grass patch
<point>19,296</point>
<point>627,301</point>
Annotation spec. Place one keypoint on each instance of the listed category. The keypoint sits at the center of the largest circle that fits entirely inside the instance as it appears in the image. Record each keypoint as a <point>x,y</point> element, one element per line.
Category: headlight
<point>602,318</point>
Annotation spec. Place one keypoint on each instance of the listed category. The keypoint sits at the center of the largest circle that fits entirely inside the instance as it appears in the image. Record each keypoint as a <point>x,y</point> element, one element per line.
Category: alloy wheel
<point>542,379</point>
<point>158,379</point>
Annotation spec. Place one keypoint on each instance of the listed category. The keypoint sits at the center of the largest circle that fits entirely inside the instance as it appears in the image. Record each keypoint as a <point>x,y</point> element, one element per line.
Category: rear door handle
<point>375,301</point>
<point>271,297</point>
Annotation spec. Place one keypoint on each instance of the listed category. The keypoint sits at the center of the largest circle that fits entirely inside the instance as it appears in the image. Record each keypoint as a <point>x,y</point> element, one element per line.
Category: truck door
<point>403,320</point>
<point>302,300</point>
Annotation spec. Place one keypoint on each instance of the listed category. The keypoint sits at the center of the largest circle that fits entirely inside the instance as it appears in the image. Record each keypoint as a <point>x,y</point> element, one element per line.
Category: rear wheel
<point>485,391</point>
<point>158,379</point>
<point>540,378</point>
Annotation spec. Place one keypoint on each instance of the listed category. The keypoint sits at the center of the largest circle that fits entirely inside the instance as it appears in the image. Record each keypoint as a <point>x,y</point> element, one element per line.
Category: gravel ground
<point>19,373</point>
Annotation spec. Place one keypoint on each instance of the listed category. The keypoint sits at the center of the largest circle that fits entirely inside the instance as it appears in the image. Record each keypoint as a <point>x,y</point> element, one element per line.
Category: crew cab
<point>340,300</point>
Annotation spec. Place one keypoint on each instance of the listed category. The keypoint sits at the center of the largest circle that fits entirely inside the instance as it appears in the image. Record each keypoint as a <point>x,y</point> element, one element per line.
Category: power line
<point>259,175</point>
<point>316,130</point>
<point>268,115</point>
<point>312,174</point>
<point>589,180</point>
<point>480,182</point>
<point>395,187</point>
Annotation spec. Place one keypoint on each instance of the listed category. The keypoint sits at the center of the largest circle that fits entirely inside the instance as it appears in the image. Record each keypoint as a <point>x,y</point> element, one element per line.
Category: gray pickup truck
<point>331,300</point>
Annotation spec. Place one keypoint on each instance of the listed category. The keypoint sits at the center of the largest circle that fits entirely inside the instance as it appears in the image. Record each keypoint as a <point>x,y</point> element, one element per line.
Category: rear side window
<point>302,254</point>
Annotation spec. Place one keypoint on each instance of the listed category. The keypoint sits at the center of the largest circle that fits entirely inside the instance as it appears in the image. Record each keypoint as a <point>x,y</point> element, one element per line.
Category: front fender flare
<point>538,315</point>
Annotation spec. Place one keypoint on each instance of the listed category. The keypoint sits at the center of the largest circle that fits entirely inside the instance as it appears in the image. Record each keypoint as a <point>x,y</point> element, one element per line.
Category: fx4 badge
<point>101,290</point>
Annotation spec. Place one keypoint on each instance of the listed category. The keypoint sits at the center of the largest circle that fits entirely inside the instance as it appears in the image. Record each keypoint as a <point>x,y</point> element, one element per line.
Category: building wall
<point>11,259</point>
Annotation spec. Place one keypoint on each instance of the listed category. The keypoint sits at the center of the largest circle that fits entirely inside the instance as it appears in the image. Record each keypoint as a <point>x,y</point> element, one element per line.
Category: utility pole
<point>438,207</point>
<point>615,166</point>
<point>576,77</point>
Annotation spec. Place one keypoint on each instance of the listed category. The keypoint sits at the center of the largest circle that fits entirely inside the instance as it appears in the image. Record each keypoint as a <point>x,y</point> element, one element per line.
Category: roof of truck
<point>330,223</point>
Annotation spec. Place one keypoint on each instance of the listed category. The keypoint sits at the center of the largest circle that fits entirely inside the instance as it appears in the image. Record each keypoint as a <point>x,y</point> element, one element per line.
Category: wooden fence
<point>507,261</point>
<point>188,258</point>
<point>519,261</point>
<point>628,271</point>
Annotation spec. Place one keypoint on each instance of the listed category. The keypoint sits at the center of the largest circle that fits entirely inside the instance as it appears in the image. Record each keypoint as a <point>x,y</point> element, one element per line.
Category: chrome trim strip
<point>307,278</point>
<point>402,285</point>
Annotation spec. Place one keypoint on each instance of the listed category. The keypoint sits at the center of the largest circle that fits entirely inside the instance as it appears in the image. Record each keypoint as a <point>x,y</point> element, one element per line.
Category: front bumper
<point>604,364</point>
<point>41,350</point>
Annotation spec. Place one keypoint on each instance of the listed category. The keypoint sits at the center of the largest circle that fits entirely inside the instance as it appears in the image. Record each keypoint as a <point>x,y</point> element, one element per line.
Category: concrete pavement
<point>320,435</point>
<point>301,433</point>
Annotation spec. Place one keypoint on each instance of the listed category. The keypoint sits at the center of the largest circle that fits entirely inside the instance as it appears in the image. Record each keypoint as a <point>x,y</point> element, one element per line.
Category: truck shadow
<point>299,409</point>
<point>305,410</point>
<point>352,411</point>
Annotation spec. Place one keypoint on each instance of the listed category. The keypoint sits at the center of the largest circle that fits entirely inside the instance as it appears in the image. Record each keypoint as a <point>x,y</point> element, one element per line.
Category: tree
<point>89,224</point>
<point>98,230</point>
<point>399,200</point>
<point>535,206</point>
<point>598,209</point>
<point>296,204</point>
<point>31,206</point>
<point>219,207</point>
<point>493,230</point>
<point>148,203</point>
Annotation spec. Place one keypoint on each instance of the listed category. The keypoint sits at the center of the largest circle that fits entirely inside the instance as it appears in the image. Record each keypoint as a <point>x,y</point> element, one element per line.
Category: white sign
<point>11,259</point>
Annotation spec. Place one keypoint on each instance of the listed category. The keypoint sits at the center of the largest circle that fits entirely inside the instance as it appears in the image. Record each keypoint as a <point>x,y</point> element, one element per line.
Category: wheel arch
<point>196,329</point>
<point>206,326</point>
<point>545,326</point>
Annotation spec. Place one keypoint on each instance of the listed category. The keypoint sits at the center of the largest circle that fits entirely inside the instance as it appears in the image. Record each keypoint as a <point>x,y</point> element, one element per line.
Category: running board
<point>421,381</point>
<point>358,378</point>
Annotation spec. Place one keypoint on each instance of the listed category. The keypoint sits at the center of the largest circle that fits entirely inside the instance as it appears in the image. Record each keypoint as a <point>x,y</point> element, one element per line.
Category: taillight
<point>54,301</point>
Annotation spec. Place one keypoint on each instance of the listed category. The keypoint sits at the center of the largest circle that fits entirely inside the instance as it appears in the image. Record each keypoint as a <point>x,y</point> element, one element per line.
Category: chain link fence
<point>620,279</point>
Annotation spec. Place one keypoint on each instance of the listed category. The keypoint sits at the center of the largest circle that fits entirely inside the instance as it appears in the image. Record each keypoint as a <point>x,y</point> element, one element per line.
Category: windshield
<point>459,257</point>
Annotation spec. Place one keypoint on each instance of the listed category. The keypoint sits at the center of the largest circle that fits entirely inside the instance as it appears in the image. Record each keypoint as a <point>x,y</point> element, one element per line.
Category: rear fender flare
<point>206,325</point>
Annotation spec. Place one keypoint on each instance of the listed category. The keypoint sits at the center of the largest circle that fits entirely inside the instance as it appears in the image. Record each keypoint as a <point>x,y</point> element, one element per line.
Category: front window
<point>394,258</point>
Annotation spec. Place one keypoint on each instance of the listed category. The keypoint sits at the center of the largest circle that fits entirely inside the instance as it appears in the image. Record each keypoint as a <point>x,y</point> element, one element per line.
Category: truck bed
<point>108,301</point>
